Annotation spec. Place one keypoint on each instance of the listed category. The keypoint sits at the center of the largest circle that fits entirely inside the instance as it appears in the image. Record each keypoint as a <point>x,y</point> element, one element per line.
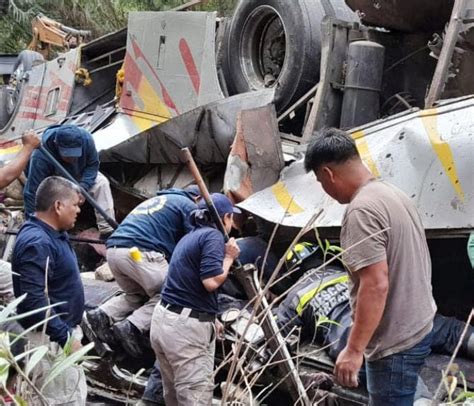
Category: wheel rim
<point>263,47</point>
<point>14,88</point>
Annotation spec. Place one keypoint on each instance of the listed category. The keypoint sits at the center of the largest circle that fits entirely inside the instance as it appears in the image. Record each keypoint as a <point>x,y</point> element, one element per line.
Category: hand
<point>347,367</point>
<point>75,346</point>
<point>30,139</point>
<point>232,250</point>
<point>219,330</point>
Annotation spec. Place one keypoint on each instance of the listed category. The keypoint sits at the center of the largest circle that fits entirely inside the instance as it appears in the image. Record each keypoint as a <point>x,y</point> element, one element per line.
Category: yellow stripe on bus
<point>364,151</point>
<point>285,200</point>
<point>10,150</point>
<point>441,148</point>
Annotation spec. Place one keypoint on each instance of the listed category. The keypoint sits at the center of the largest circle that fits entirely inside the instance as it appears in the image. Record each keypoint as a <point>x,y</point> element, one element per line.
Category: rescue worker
<point>42,246</point>
<point>138,253</point>
<point>252,251</point>
<point>183,329</point>
<point>13,170</point>
<point>74,148</point>
<point>390,273</point>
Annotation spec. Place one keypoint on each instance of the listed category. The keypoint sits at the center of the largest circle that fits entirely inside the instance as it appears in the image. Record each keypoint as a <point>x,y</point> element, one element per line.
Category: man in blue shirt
<point>43,246</point>
<point>183,329</point>
<point>74,148</point>
<point>137,254</point>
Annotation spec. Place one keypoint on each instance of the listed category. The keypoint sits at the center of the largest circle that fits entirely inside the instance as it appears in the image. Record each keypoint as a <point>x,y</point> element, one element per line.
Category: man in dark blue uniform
<point>183,329</point>
<point>252,251</point>
<point>74,148</point>
<point>138,253</point>
<point>42,246</point>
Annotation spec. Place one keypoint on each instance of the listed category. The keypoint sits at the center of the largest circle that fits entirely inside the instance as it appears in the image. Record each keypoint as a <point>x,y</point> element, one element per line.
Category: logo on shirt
<point>150,206</point>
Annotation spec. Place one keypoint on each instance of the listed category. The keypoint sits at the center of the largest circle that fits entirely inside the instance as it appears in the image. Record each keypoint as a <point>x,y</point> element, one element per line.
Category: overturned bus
<point>246,94</point>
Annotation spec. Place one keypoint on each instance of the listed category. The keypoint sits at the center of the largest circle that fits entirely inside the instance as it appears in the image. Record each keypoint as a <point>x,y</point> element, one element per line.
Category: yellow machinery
<point>48,33</point>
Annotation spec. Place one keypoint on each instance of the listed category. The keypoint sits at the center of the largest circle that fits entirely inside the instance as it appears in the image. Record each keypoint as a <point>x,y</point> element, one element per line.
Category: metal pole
<point>84,192</point>
<point>71,238</point>
<point>439,77</point>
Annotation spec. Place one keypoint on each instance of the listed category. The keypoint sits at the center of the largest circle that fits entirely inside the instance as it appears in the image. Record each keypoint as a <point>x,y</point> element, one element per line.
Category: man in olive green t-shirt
<point>390,273</point>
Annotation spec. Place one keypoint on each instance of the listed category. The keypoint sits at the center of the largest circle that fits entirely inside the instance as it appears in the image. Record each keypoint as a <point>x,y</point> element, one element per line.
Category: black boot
<point>129,337</point>
<point>100,324</point>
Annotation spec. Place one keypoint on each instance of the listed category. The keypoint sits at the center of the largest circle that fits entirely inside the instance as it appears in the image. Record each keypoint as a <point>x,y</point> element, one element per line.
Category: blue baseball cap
<point>193,190</point>
<point>69,141</point>
<point>222,204</point>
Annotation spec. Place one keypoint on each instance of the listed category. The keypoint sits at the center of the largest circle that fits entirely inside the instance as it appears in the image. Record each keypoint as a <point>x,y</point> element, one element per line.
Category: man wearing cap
<point>138,253</point>
<point>183,329</point>
<point>74,148</point>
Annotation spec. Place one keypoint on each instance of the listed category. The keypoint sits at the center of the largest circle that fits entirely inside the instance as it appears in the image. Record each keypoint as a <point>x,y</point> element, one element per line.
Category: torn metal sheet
<point>164,177</point>
<point>208,130</point>
<point>426,153</point>
<point>256,157</point>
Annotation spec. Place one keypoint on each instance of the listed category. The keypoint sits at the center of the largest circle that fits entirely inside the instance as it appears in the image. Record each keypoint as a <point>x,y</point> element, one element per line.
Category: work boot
<point>100,324</point>
<point>129,337</point>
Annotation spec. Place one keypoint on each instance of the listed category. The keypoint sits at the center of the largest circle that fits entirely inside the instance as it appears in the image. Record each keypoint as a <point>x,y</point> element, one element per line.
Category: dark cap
<point>69,141</point>
<point>193,190</point>
<point>222,204</point>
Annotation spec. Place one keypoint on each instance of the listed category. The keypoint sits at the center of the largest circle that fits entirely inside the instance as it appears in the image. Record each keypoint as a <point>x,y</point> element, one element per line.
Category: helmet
<point>299,253</point>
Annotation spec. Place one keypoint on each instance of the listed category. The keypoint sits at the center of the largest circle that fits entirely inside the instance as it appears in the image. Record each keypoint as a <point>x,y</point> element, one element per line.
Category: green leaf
<point>10,308</point>
<point>31,312</point>
<point>20,401</point>
<point>67,349</point>
<point>33,327</point>
<point>336,249</point>
<point>326,320</point>
<point>66,363</point>
<point>4,343</point>
<point>4,367</point>
<point>464,396</point>
<point>19,357</point>
<point>35,358</point>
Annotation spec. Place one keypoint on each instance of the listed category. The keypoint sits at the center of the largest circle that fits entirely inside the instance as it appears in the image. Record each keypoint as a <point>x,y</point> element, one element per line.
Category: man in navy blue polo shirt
<point>183,327</point>
<point>75,149</point>
<point>43,246</point>
<point>137,254</point>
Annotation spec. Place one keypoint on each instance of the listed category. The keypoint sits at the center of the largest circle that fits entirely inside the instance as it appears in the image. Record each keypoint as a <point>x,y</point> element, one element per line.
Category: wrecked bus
<point>245,94</point>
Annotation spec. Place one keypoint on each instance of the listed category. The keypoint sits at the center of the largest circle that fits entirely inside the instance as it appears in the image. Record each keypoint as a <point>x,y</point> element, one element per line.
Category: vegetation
<point>19,371</point>
<point>98,16</point>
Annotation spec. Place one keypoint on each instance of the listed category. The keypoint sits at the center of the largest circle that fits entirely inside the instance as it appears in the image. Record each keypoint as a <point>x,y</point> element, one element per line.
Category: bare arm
<point>231,252</point>
<point>371,299</point>
<point>14,169</point>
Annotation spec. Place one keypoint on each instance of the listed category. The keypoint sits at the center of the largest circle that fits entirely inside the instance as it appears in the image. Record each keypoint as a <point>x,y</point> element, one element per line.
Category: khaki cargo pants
<point>102,194</point>
<point>185,349</point>
<point>141,281</point>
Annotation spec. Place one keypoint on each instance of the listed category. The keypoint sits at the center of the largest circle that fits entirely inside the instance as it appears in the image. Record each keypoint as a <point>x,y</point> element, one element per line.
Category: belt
<point>201,316</point>
<point>142,251</point>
